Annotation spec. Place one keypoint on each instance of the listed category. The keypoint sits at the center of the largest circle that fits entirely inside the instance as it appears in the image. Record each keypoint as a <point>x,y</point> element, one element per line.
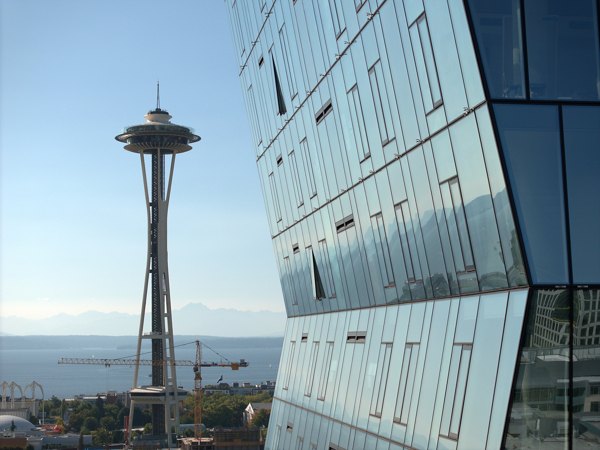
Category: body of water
<point>24,359</point>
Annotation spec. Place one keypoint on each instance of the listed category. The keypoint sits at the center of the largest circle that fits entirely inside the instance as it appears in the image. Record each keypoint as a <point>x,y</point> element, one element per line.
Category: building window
<point>289,279</point>
<point>296,178</point>
<point>318,291</point>
<point>408,242</point>
<point>383,251</point>
<point>312,186</point>
<point>323,112</point>
<point>253,113</point>
<point>383,367</point>
<point>311,369</point>
<point>407,381</point>
<point>455,390</point>
<point>288,366</point>
<point>274,197</point>
<point>336,15</point>
<point>335,447</point>
<point>425,62</point>
<point>326,368</point>
<point>344,224</point>
<point>276,436</point>
<point>287,62</point>
<point>457,225</point>
<point>382,106</point>
<point>238,28</point>
<point>325,264</point>
<point>356,337</point>
<point>358,124</point>
<point>281,109</point>
<point>295,248</point>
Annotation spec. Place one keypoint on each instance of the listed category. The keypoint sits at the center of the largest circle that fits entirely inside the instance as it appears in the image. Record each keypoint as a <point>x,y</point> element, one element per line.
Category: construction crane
<point>198,392</point>
<point>198,364</point>
<point>107,362</point>
<point>133,360</point>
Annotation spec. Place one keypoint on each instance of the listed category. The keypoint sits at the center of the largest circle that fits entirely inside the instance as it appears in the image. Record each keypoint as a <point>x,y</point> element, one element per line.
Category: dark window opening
<point>317,283</point>
<point>261,61</point>
<point>356,337</point>
<point>279,160</point>
<point>344,224</point>
<point>295,248</point>
<point>322,113</point>
<point>281,109</point>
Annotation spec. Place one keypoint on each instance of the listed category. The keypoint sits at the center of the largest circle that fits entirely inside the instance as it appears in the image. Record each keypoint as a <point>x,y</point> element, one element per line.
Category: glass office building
<point>431,174</point>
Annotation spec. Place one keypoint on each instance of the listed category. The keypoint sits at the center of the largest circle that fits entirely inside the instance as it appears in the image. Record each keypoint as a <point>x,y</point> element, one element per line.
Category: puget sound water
<point>24,359</point>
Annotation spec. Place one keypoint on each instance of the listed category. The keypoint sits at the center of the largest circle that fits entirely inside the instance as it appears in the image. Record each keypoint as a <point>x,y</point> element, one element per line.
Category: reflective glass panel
<point>530,138</point>
<point>562,49</point>
<point>586,368</point>
<point>582,153</point>
<point>498,31</point>
<point>540,398</point>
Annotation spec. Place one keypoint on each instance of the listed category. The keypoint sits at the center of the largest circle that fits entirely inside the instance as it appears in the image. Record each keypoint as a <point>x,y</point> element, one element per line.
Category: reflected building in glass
<point>430,173</point>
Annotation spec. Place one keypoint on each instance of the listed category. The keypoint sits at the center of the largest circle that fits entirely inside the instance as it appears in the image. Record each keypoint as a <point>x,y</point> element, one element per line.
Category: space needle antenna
<point>158,95</point>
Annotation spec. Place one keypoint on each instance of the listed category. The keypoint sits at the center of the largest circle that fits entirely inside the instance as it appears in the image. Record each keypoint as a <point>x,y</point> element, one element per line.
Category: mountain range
<point>192,319</point>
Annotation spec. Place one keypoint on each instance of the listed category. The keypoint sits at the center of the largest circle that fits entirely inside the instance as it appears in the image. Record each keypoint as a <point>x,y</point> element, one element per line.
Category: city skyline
<point>72,217</point>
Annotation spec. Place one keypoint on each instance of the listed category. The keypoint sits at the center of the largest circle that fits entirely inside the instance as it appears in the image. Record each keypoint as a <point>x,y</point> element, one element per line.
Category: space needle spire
<point>158,141</point>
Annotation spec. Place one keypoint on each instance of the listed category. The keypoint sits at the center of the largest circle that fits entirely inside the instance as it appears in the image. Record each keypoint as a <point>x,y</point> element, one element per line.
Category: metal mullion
<point>570,272</point>
<point>524,49</point>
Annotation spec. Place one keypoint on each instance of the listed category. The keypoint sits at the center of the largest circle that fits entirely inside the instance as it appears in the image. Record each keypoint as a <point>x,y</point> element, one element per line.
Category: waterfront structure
<point>161,141</point>
<point>429,169</point>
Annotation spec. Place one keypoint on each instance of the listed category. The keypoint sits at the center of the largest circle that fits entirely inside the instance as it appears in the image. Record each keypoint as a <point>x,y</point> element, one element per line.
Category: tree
<point>90,423</point>
<point>107,422</point>
<point>102,437</point>
<point>261,418</point>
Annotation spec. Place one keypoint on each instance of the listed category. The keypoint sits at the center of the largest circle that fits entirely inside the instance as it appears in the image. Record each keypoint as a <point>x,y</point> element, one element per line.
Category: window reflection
<point>539,405</point>
<point>498,31</point>
<point>582,159</point>
<point>545,391</point>
<point>530,138</point>
<point>562,48</point>
<point>586,368</point>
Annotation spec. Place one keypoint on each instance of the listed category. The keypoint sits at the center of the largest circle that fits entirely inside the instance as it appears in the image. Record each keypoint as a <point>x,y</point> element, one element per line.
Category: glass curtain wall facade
<point>429,169</point>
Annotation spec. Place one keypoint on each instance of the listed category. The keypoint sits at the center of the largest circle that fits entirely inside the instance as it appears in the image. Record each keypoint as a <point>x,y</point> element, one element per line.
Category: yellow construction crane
<point>198,392</point>
<point>198,386</point>
<point>148,362</point>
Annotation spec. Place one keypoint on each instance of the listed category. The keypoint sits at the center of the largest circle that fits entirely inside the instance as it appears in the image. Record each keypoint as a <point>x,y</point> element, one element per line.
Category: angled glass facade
<point>429,169</point>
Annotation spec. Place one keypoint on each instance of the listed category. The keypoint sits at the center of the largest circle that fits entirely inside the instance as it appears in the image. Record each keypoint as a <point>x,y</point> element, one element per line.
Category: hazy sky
<point>73,222</point>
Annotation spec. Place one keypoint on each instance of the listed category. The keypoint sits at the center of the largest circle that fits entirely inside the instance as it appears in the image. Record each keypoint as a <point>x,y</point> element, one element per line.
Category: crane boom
<point>198,393</point>
<point>148,362</point>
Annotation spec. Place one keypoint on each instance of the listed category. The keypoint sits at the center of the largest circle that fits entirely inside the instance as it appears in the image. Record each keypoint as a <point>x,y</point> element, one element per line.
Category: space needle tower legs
<point>159,141</point>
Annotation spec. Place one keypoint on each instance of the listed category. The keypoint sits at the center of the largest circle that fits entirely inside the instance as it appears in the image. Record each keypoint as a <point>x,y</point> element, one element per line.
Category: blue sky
<point>73,230</point>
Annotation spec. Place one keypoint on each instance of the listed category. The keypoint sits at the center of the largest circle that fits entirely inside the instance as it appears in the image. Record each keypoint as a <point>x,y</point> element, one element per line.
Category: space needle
<point>158,141</point>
